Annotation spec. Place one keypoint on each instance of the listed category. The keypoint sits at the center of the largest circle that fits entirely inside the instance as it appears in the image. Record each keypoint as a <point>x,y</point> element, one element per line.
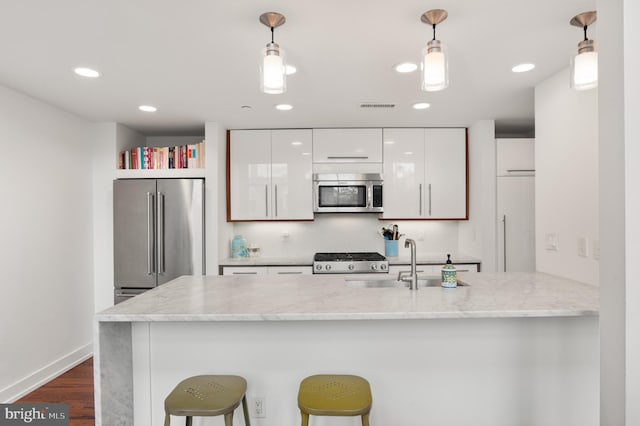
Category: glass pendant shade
<point>435,69</point>
<point>584,71</point>
<point>272,70</point>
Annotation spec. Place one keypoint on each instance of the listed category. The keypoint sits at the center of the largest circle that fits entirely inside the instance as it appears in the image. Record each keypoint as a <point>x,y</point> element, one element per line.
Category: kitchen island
<point>509,349</point>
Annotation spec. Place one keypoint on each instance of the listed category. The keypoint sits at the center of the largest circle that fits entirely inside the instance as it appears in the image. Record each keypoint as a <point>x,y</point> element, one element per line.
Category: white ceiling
<point>198,60</point>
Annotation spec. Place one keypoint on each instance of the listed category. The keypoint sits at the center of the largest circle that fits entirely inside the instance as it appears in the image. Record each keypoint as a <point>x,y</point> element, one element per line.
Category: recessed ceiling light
<point>306,153</point>
<point>389,142</point>
<point>408,153</point>
<point>421,105</point>
<point>406,67</point>
<point>283,107</point>
<point>147,108</point>
<point>86,72</point>
<point>290,69</point>
<point>523,67</point>
<point>296,143</point>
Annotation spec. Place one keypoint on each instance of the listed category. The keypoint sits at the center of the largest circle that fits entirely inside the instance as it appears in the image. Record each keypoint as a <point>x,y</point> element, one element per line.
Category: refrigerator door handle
<point>150,263</point>
<point>160,233</point>
<point>504,242</point>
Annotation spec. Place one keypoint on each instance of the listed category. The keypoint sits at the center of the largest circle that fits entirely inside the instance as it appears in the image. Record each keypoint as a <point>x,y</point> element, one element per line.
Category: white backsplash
<point>344,232</point>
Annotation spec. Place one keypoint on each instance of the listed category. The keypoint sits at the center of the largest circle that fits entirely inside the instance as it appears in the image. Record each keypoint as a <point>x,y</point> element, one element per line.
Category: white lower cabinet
<point>245,270</point>
<point>267,270</point>
<point>431,269</point>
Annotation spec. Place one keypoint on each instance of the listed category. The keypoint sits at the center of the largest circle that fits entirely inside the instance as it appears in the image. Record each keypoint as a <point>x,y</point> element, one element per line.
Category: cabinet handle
<point>160,233</point>
<point>504,242</point>
<point>346,157</point>
<point>420,200</point>
<point>520,170</point>
<point>276,200</point>
<point>244,273</point>
<point>266,200</point>
<point>289,272</point>
<point>150,203</point>
<point>429,199</point>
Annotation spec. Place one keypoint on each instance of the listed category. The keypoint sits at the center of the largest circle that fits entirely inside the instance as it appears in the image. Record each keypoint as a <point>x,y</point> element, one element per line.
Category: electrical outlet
<point>259,407</point>
<point>583,247</point>
<point>552,242</point>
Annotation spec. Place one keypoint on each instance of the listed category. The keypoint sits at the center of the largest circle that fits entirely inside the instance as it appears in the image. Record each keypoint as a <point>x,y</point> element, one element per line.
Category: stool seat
<point>207,395</point>
<point>334,395</point>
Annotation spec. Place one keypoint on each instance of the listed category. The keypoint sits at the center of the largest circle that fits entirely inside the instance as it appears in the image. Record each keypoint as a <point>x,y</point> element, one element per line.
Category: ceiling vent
<point>377,105</point>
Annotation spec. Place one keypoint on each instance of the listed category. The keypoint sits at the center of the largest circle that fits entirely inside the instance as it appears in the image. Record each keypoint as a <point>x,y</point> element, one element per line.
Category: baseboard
<point>45,374</point>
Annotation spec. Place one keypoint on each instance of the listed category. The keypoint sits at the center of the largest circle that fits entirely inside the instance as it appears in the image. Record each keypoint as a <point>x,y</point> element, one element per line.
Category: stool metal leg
<point>228,419</point>
<point>365,420</point>
<point>305,419</point>
<point>245,410</point>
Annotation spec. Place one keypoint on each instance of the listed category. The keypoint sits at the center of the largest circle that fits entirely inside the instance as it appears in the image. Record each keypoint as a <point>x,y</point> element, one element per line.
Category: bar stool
<point>207,395</point>
<point>334,395</point>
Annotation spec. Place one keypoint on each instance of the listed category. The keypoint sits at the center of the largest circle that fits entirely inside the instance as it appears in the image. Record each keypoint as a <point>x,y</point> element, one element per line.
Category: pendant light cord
<point>272,28</point>
<point>585,32</point>
<point>434,31</point>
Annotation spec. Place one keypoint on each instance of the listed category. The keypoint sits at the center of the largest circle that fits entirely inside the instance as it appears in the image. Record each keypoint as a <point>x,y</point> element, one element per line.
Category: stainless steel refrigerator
<point>158,229</point>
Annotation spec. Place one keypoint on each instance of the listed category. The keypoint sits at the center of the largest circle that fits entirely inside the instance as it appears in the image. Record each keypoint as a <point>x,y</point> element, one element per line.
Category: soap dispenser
<point>449,279</point>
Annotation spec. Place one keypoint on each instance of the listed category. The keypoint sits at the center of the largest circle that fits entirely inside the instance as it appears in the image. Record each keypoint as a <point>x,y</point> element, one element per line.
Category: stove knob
<point>327,267</point>
<point>351,267</point>
<point>374,266</point>
<point>318,267</point>
<point>383,267</point>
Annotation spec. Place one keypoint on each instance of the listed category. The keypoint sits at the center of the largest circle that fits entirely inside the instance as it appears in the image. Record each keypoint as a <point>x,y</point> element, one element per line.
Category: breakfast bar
<point>502,349</point>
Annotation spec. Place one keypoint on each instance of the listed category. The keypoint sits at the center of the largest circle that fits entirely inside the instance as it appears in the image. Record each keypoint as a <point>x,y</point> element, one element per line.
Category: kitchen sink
<point>393,283</point>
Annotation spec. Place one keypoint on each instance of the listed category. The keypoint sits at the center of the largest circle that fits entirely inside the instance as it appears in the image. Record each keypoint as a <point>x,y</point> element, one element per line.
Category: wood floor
<point>75,387</point>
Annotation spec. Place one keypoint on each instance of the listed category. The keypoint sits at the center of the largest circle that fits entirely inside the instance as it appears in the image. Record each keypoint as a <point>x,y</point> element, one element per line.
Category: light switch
<point>552,242</point>
<point>596,249</point>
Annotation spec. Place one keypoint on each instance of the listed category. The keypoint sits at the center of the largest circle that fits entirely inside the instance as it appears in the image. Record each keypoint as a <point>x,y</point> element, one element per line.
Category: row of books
<point>171,157</point>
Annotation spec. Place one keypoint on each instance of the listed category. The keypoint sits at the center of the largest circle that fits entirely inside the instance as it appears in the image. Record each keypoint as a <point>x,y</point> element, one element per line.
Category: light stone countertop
<point>322,297</point>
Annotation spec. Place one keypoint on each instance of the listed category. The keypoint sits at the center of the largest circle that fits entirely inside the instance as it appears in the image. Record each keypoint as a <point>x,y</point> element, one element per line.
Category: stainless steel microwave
<point>347,193</point>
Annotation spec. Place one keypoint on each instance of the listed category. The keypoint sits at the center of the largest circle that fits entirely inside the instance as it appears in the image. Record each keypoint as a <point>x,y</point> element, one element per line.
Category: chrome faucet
<point>412,279</point>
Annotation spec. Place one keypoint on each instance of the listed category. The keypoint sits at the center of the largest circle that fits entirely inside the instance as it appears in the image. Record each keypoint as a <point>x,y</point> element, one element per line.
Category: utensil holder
<point>391,248</point>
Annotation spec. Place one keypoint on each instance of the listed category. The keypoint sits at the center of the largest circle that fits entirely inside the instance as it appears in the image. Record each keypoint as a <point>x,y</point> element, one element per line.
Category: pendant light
<point>272,69</point>
<point>435,69</point>
<point>584,65</point>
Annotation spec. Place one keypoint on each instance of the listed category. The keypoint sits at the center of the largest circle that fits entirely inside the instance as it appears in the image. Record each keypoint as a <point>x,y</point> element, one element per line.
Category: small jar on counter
<point>239,246</point>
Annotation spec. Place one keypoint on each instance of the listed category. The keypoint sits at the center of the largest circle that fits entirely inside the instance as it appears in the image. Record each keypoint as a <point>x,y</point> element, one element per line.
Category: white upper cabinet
<point>404,166</point>
<point>270,175</point>
<point>347,145</point>
<point>446,173</point>
<point>292,187</point>
<point>425,174</point>
<point>515,157</point>
<point>250,174</point>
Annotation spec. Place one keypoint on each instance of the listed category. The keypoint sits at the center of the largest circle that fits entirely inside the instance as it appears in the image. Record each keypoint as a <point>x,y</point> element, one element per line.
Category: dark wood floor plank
<point>75,387</point>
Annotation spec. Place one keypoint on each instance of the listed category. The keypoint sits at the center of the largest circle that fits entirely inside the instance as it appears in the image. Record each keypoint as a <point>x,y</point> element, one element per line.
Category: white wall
<point>46,256</point>
<point>632,208</point>
<point>477,236</point>
<point>619,211</point>
<point>217,229</point>
<point>344,232</point>
<point>566,177</point>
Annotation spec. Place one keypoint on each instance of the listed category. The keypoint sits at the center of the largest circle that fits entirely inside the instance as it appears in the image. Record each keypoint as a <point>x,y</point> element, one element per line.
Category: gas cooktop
<point>350,263</point>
